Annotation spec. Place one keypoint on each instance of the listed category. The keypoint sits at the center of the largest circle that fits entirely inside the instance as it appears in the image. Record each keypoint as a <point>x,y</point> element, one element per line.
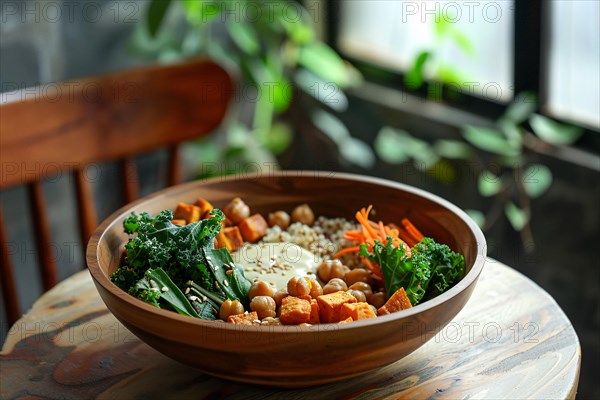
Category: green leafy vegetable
<point>431,269</point>
<point>171,255</point>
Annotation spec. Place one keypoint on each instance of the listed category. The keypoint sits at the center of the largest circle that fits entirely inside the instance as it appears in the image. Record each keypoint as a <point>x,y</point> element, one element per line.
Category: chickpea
<point>335,285</point>
<point>315,288</point>
<point>330,269</point>
<point>358,275</point>
<point>304,214</point>
<point>298,286</point>
<point>279,218</point>
<point>260,288</point>
<point>236,210</point>
<point>363,287</point>
<point>377,299</point>
<point>280,295</point>
<point>229,308</point>
<point>360,296</point>
<point>264,306</point>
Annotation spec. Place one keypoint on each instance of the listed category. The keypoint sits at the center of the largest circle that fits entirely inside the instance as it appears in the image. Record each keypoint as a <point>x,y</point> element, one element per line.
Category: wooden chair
<point>72,124</point>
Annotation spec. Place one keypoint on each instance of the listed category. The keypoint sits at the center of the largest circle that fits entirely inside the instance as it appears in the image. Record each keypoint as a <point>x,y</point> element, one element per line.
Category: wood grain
<point>67,125</point>
<point>510,341</point>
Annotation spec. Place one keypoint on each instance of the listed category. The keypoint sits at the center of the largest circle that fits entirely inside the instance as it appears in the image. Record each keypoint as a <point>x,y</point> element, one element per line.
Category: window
<point>573,59</point>
<point>470,43</point>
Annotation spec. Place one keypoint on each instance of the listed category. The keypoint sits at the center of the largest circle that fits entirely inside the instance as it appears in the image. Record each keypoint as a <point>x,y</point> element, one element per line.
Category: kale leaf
<point>431,269</point>
<point>171,255</point>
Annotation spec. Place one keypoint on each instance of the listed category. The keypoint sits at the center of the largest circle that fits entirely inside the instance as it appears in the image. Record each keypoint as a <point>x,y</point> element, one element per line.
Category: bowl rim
<point>98,275</point>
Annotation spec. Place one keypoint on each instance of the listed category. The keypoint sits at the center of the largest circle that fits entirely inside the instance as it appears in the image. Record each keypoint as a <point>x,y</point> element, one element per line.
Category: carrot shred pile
<point>406,236</point>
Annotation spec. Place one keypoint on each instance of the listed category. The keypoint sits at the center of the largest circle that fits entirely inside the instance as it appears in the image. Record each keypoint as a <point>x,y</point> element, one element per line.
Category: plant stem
<point>205,292</point>
<point>525,203</point>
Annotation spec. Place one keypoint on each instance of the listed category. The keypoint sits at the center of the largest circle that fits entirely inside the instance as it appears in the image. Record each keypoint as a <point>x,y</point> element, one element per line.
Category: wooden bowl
<point>294,356</point>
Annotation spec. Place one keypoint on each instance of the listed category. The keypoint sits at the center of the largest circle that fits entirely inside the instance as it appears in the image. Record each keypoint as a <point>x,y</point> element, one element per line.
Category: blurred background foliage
<point>274,50</point>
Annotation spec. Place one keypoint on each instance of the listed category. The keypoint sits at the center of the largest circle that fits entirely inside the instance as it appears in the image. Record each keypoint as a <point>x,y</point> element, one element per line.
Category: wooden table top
<point>510,341</point>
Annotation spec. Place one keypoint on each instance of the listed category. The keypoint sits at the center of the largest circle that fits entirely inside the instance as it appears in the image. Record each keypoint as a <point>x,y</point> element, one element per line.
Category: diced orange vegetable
<point>188,212</point>
<point>397,302</point>
<point>330,305</point>
<point>221,241</point>
<point>253,228</point>
<point>234,237</point>
<point>314,312</point>
<point>178,222</point>
<point>345,321</point>
<point>357,311</point>
<point>244,319</point>
<point>205,207</point>
<point>294,311</point>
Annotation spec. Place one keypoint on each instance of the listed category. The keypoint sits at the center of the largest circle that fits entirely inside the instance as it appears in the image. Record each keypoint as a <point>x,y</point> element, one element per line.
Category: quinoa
<point>324,239</point>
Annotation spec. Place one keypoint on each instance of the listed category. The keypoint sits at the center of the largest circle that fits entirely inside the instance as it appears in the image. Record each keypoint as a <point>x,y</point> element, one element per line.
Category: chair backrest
<point>68,125</point>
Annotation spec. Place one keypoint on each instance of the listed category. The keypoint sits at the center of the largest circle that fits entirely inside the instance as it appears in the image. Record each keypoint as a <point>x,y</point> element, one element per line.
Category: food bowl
<point>294,356</point>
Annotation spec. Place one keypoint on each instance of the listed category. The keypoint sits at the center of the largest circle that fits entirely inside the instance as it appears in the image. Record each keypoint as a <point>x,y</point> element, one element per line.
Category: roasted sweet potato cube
<point>314,312</point>
<point>205,207</point>
<point>397,302</point>
<point>253,228</point>
<point>330,305</point>
<point>244,319</point>
<point>294,311</point>
<point>188,212</point>
<point>357,311</point>
<point>178,222</point>
<point>234,237</point>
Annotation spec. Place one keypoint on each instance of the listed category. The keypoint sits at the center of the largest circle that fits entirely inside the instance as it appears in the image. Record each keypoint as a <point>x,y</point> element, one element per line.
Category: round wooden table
<point>511,341</point>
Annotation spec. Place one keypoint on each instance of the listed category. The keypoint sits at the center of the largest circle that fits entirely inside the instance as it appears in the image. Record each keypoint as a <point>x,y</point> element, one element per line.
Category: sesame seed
<point>193,298</point>
<point>165,289</point>
<point>228,272</point>
<point>226,283</point>
<point>187,291</point>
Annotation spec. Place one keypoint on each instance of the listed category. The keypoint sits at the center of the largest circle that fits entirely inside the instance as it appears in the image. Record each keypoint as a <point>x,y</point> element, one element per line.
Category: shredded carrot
<point>406,236</point>
<point>412,230</point>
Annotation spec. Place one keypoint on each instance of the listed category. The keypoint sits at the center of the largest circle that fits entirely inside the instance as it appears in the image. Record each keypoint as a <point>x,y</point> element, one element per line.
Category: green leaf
<point>237,285</point>
<point>299,31</point>
<point>391,145</point>
<point>323,61</point>
<point>521,108</point>
<point>156,13</point>
<point>200,12</point>
<point>357,152</point>
<point>330,125</point>
<point>244,36</point>
<point>172,295</point>
<point>511,131</point>
<point>488,184</point>
<point>277,139</point>
<point>464,43</point>
<point>327,93</point>
<point>448,74</point>
<point>554,132</point>
<point>476,216</point>
<point>416,76</point>
<point>490,140</point>
<point>517,217</point>
<point>442,27</point>
<point>452,149</point>
<point>537,178</point>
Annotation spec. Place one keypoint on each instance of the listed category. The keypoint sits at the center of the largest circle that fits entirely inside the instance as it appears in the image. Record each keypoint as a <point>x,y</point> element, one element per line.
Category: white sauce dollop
<point>276,262</point>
